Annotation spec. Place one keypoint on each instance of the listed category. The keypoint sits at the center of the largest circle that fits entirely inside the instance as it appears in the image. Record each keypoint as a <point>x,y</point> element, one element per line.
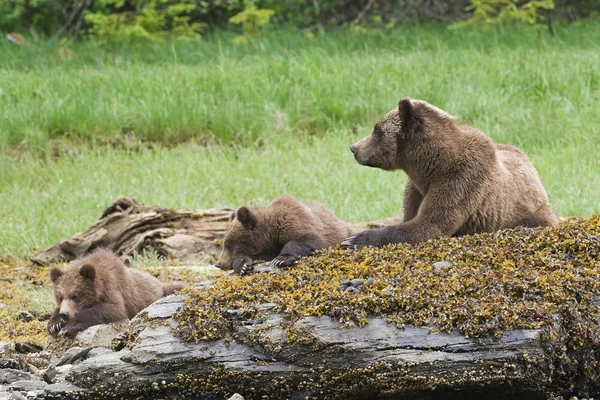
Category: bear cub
<point>99,289</point>
<point>283,231</point>
<point>459,181</point>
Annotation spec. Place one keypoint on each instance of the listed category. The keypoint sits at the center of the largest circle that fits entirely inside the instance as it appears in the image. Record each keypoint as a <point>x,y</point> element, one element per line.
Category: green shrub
<point>143,20</point>
<point>506,11</point>
<point>252,20</point>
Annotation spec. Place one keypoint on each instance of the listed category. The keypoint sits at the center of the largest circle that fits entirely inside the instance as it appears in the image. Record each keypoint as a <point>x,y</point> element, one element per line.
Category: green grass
<point>290,106</point>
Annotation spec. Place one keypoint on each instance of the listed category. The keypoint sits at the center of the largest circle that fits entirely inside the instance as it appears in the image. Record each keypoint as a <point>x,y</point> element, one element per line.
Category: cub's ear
<point>55,274</point>
<point>409,120</point>
<point>88,272</point>
<point>245,217</point>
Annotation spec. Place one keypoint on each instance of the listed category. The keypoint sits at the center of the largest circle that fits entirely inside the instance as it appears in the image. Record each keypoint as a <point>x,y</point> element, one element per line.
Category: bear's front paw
<point>247,269</point>
<point>242,264</point>
<point>70,331</point>
<point>283,260</point>
<point>54,326</point>
<point>362,239</point>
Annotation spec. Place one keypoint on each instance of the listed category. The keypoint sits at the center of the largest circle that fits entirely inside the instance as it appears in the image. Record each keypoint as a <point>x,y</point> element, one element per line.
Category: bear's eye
<point>60,299</point>
<point>74,297</point>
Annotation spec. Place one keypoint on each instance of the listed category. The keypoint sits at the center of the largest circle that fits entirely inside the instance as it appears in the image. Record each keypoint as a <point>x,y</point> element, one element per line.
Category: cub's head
<point>400,131</point>
<point>248,238</point>
<point>74,289</point>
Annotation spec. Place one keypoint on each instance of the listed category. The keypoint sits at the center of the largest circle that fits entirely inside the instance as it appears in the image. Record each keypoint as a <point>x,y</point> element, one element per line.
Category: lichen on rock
<point>479,285</point>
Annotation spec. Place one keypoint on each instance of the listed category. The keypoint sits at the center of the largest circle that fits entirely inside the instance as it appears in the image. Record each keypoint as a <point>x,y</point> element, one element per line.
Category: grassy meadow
<point>209,123</point>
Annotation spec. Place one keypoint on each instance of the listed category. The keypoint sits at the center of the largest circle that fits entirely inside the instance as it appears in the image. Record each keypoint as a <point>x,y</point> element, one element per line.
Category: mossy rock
<point>510,314</point>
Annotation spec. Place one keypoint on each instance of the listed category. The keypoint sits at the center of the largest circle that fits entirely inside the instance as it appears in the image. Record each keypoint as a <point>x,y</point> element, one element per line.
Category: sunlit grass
<point>276,117</point>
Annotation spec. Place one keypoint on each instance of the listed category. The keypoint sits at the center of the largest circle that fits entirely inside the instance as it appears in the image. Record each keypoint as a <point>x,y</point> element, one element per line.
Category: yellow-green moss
<point>497,281</point>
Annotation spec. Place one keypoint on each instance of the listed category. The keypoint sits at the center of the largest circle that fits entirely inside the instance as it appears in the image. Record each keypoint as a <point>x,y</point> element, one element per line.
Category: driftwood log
<point>128,226</point>
<point>331,362</point>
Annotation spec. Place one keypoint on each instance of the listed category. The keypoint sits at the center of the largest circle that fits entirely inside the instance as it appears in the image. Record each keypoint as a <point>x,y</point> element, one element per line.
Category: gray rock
<point>352,289</point>
<point>94,336</point>
<point>357,283</point>
<point>6,347</point>
<point>9,375</point>
<point>370,281</point>
<point>49,374</point>
<point>236,396</point>
<point>27,347</point>
<point>16,396</point>
<point>442,264</point>
<point>97,351</point>
<point>73,355</point>
<point>28,385</point>
<point>163,308</point>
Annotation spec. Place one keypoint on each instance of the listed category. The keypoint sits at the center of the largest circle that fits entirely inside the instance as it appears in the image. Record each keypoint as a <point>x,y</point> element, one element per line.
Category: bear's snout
<point>353,148</point>
<point>64,317</point>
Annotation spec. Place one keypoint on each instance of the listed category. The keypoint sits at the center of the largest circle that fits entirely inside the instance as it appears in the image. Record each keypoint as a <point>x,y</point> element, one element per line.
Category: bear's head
<point>403,133</point>
<point>74,289</point>
<point>248,238</point>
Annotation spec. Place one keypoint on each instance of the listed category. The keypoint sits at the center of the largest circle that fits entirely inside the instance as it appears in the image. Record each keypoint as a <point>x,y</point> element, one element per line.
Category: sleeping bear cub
<point>283,231</point>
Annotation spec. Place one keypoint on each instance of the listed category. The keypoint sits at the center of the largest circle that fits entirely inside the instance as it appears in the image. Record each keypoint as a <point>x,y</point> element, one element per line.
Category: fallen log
<point>127,226</point>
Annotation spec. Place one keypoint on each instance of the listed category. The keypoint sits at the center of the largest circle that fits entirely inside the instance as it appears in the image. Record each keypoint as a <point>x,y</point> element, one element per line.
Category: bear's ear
<point>88,272</point>
<point>245,217</point>
<point>55,274</point>
<point>410,123</point>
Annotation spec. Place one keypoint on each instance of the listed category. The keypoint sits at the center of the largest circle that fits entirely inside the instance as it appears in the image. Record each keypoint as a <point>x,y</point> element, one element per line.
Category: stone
<point>236,396</point>
<point>28,385</point>
<point>6,347</point>
<point>49,374</point>
<point>73,355</point>
<point>94,336</point>
<point>10,375</point>
<point>442,264</point>
<point>27,347</point>
<point>370,281</point>
<point>357,282</point>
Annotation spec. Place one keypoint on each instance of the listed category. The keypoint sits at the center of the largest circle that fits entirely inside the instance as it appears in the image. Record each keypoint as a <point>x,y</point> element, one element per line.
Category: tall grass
<point>514,85</point>
<point>288,107</point>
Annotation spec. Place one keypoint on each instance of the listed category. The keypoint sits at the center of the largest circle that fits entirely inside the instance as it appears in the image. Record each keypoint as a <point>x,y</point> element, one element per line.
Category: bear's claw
<point>246,269</point>
<point>55,328</point>
<point>283,261</point>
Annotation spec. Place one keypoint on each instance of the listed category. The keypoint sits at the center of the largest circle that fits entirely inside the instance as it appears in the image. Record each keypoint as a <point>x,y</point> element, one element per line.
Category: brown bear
<point>459,181</point>
<point>99,289</point>
<point>283,231</point>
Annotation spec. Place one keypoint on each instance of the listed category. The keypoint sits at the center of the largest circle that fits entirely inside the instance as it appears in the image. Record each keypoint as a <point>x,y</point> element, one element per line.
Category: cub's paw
<point>283,260</point>
<point>55,326</point>
<point>246,269</point>
<point>242,265</point>
<point>70,331</point>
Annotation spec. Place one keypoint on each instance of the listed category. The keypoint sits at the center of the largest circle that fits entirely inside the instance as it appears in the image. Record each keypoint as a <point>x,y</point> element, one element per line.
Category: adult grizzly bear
<point>459,181</point>
<point>283,231</point>
<point>99,289</point>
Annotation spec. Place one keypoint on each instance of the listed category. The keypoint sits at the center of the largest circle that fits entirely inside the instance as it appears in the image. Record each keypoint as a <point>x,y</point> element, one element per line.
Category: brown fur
<point>283,231</point>
<point>98,289</point>
<point>459,181</point>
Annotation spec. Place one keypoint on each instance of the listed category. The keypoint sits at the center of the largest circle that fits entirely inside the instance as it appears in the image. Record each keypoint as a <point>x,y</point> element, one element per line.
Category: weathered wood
<point>128,226</point>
